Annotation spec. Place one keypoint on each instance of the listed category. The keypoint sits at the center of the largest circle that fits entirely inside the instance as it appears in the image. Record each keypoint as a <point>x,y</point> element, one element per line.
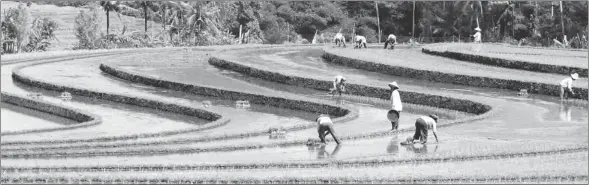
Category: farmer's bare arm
<point>435,133</point>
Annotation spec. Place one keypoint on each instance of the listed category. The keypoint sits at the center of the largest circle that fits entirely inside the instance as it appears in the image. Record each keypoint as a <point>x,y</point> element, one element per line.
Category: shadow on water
<point>214,101</point>
<point>114,105</point>
<point>25,112</point>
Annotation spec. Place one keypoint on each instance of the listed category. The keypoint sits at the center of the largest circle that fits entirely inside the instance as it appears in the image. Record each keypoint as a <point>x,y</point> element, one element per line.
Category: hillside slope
<point>65,17</point>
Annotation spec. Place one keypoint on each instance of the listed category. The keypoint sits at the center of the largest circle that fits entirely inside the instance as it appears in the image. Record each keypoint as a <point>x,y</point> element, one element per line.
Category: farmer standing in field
<point>339,39</point>
<point>326,127</point>
<point>391,40</point>
<point>477,35</point>
<point>396,106</point>
<point>338,85</point>
<point>566,86</point>
<point>360,41</point>
<point>422,124</point>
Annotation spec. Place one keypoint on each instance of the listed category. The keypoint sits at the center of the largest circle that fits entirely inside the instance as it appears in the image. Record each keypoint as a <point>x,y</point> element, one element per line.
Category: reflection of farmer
<point>391,40</point>
<point>419,150</point>
<point>322,153</point>
<point>326,127</point>
<point>422,125</point>
<point>566,86</point>
<point>338,85</point>
<point>360,41</point>
<point>396,105</point>
<point>565,112</point>
<point>393,146</point>
<point>339,39</point>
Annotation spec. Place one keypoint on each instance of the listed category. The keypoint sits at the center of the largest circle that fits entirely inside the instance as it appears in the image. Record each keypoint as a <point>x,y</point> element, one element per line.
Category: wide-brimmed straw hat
<point>433,116</point>
<point>393,84</point>
<point>477,29</point>
<point>575,76</point>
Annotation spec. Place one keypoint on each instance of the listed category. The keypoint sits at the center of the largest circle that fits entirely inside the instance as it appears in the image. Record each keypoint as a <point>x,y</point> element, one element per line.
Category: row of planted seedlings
<point>342,113</point>
<point>19,77</point>
<point>215,118</point>
<point>56,179</point>
<point>497,151</point>
<point>460,104</point>
<point>459,79</point>
<point>500,62</point>
<point>85,119</point>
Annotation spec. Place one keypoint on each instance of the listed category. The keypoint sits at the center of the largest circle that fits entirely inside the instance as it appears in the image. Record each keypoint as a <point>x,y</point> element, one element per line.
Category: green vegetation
<point>278,22</point>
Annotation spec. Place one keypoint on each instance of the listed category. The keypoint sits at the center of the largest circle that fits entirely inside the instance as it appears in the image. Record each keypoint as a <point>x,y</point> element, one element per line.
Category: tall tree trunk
<point>164,17</point>
<point>145,15</point>
<point>562,23</point>
<point>107,21</point>
<point>378,21</point>
<point>413,26</point>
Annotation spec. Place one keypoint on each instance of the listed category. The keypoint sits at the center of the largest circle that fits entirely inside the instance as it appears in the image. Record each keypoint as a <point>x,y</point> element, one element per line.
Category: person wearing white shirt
<point>477,35</point>
<point>566,86</point>
<point>338,85</point>
<point>391,40</point>
<point>326,127</point>
<point>396,105</point>
<point>360,41</point>
<point>422,125</point>
<point>339,39</point>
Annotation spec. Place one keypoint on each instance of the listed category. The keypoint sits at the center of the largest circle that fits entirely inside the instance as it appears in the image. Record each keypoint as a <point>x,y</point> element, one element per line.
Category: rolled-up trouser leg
<point>333,134</point>
<point>421,127</point>
<point>322,132</point>
<point>395,124</point>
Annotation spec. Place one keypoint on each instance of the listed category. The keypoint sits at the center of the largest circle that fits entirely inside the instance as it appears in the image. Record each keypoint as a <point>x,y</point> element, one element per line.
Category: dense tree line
<point>218,22</point>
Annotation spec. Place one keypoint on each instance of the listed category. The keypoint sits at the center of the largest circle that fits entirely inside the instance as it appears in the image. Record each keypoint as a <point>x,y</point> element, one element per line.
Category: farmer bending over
<point>339,85</point>
<point>360,41</point>
<point>566,86</point>
<point>396,104</point>
<point>326,127</point>
<point>422,124</point>
<point>391,40</point>
<point>339,39</point>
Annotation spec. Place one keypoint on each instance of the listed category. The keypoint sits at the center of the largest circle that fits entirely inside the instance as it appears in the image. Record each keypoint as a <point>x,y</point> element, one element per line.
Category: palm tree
<point>109,6</point>
<point>148,6</point>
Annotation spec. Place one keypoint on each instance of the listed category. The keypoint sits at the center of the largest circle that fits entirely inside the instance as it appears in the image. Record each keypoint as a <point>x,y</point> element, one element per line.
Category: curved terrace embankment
<point>409,68</point>
<point>85,119</point>
<point>480,58</point>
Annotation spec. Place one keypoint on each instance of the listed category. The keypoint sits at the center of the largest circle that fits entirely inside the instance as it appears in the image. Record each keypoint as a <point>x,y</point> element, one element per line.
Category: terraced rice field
<point>535,139</point>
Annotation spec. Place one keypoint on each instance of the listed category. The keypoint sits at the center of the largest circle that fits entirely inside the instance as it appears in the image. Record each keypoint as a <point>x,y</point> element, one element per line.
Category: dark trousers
<point>395,124</point>
<point>420,131</point>
<point>325,129</point>
<point>360,44</point>
<point>565,93</point>
<point>389,42</point>
<point>339,41</point>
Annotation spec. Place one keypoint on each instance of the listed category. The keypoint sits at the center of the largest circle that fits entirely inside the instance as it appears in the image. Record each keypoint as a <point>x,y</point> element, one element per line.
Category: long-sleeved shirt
<point>392,38</point>
<point>338,80</point>
<point>324,120</point>
<point>567,83</point>
<point>396,103</point>
<point>477,37</point>
<point>431,123</point>
<point>359,38</point>
<point>339,36</point>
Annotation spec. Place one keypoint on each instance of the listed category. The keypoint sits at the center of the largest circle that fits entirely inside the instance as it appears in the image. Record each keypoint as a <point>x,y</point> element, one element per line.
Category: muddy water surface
<point>16,118</point>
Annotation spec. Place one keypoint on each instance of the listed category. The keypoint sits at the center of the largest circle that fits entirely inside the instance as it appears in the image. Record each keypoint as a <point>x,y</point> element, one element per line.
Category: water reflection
<point>393,147</point>
<point>322,152</point>
<point>565,111</point>
<point>420,149</point>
